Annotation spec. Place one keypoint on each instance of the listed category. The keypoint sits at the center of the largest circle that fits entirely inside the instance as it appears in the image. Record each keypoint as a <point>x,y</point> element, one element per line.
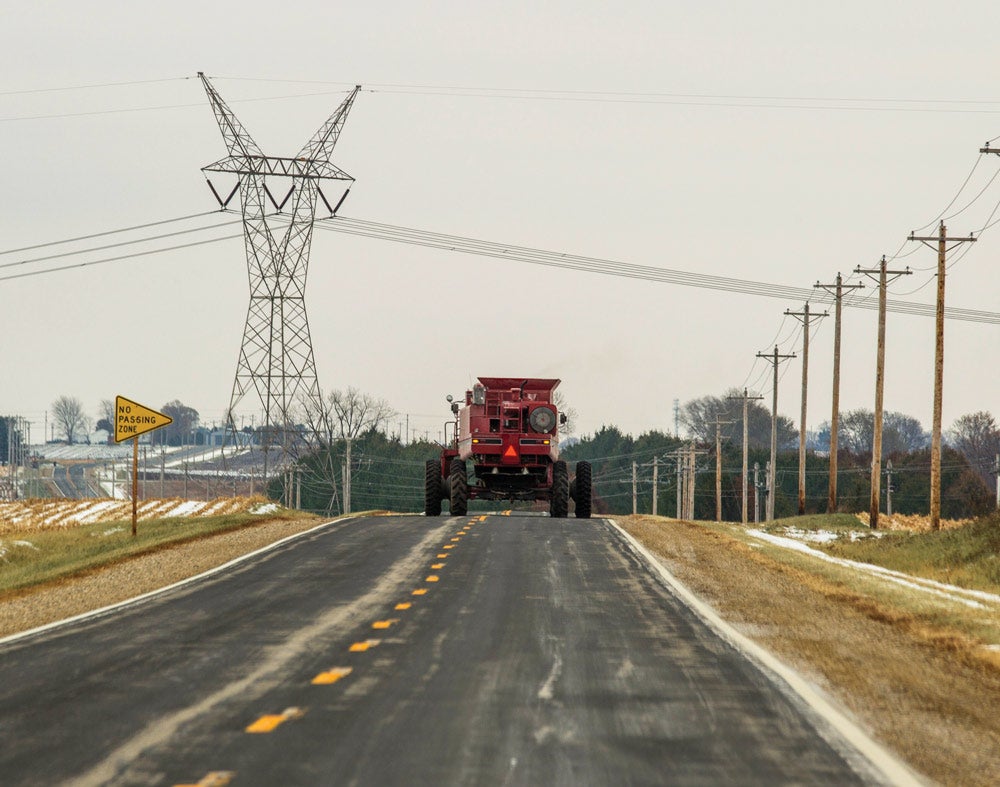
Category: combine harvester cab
<point>509,429</point>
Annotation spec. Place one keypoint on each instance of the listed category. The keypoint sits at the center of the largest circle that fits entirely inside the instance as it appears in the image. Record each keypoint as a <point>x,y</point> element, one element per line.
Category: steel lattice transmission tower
<point>276,361</point>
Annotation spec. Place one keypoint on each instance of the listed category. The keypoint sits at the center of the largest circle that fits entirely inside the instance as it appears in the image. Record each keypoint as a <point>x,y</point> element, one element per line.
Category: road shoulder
<point>931,705</point>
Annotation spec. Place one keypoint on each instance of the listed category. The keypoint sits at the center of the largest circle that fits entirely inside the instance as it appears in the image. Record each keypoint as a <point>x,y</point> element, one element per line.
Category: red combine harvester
<point>509,428</point>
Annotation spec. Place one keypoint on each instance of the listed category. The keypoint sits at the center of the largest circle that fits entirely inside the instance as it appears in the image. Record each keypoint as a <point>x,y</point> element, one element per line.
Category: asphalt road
<point>406,650</point>
<point>71,481</point>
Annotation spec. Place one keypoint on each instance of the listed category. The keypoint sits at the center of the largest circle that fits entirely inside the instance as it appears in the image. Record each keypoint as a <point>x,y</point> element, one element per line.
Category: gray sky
<point>699,155</point>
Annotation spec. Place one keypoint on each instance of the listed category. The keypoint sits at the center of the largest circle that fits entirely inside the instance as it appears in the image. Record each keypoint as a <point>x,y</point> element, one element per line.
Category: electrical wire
<point>455,243</point>
<point>91,86</point>
<point>127,110</point>
<point>105,247</point>
<point>91,263</point>
<point>109,232</point>
<point>974,199</point>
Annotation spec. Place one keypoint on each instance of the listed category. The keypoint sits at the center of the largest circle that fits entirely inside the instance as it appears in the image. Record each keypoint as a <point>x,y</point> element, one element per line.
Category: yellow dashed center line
<point>384,624</point>
<point>212,779</point>
<point>448,546</point>
<point>404,605</point>
<point>271,721</point>
<point>432,578</point>
<point>419,591</point>
<point>456,538</point>
<point>331,676</point>
<point>360,647</point>
<point>437,566</point>
<point>443,555</point>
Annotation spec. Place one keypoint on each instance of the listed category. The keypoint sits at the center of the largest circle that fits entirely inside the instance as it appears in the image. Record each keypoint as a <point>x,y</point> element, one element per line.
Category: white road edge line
<point>96,613</point>
<point>894,770</point>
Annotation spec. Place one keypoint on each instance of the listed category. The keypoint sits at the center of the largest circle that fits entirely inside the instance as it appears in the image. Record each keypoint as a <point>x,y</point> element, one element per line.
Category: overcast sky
<point>779,142</point>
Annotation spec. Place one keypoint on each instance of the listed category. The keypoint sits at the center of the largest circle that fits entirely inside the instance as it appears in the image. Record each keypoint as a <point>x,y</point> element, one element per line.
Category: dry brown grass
<point>929,693</point>
<point>911,523</point>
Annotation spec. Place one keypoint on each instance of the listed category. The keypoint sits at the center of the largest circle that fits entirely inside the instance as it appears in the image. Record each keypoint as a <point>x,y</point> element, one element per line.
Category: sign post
<point>131,420</point>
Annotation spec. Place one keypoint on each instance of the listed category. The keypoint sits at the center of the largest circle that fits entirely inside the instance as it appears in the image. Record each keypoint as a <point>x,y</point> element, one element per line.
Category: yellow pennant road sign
<point>132,419</point>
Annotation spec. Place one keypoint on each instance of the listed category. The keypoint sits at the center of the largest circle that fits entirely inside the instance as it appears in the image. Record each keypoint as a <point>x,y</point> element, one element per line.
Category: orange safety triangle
<point>510,453</point>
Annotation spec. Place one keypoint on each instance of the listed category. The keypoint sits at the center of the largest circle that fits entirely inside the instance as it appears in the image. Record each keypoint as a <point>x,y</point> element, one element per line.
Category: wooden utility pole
<point>635,490</point>
<point>942,249</point>
<point>888,488</point>
<point>756,492</point>
<point>837,290</point>
<point>745,398</point>
<point>656,468</point>
<point>775,360</point>
<point>691,469</point>
<point>876,474</point>
<point>996,472</point>
<point>677,460</point>
<point>806,318</point>
<point>718,466</point>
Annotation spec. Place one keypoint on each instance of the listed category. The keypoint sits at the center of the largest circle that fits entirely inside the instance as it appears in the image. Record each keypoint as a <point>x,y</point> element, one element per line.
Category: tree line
<point>350,429</point>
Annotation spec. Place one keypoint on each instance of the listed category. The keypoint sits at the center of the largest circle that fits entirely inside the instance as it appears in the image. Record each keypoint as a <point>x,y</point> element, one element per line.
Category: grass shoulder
<point>34,558</point>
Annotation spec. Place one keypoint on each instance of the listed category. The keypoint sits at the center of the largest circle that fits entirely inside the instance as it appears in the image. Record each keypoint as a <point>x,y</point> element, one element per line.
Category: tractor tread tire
<point>459,484</point>
<point>559,501</point>
<point>432,488</point>
<point>583,490</point>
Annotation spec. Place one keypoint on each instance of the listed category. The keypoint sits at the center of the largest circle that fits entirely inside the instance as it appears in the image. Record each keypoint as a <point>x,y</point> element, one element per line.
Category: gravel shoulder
<point>920,692</point>
<point>130,578</point>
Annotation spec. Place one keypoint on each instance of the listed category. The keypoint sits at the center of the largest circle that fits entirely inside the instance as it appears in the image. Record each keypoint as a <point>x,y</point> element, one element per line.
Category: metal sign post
<point>131,420</point>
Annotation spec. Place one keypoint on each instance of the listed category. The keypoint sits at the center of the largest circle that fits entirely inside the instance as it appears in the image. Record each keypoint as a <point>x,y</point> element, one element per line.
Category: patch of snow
<point>27,544</point>
<point>187,508</point>
<point>970,598</point>
<point>92,513</point>
<point>264,508</point>
<point>817,536</point>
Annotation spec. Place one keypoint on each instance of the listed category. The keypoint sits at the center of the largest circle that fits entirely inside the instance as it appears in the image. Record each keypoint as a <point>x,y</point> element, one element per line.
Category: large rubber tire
<point>559,501</point>
<point>582,489</point>
<point>432,488</point>
<point>459,484</point>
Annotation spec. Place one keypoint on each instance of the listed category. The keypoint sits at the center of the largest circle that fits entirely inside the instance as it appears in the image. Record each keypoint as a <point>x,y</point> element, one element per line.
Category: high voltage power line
<point>485,248</point>
<point>481,92</point>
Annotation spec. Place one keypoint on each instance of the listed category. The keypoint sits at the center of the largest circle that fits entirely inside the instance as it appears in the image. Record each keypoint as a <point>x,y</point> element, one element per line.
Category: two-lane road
<point>407,650</point>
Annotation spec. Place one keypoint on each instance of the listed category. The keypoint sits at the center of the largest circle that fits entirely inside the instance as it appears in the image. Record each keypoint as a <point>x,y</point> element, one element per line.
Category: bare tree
<point>857,428</point>
<point>352,413</point>
<point>698,417</point>
<point>977,437</point>
<point>69,417</point>
<point>900,433</point>
<point>559,400</point>
<point>185,421</point>
<point>106,417</point>
<point>903,433</point>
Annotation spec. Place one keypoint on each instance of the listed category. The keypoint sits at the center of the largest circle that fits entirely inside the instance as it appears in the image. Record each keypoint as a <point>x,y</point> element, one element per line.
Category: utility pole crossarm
<point>927,240</point>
